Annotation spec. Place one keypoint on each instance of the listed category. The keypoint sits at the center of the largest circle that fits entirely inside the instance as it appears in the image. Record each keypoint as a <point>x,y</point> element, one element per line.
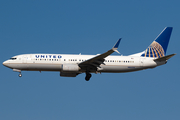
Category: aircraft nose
<point>5,63</point>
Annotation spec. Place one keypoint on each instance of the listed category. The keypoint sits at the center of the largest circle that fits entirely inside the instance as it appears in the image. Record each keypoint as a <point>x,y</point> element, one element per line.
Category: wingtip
<point>117,43</point>
<point>116,46</point>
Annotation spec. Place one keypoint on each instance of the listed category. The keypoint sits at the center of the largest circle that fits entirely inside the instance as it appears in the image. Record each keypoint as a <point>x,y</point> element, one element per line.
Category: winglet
<point>116,46</point>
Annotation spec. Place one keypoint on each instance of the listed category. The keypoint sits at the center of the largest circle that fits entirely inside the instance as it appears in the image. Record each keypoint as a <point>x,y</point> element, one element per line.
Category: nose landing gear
<point>17,70</point>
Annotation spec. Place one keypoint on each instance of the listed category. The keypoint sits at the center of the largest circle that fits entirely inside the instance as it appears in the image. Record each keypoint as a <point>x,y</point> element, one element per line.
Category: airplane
<point>72,65</point>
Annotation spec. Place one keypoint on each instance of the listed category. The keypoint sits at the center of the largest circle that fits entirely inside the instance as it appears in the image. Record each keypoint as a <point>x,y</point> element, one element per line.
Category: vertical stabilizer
<point>158,47</point>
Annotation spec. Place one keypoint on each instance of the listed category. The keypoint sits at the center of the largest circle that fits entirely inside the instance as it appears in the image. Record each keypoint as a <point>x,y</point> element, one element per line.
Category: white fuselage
<point>72,65</point>
<point>54,62</point>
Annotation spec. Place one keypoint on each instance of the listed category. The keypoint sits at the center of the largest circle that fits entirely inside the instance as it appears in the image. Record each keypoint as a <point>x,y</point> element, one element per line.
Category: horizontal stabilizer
<point>164,58</point>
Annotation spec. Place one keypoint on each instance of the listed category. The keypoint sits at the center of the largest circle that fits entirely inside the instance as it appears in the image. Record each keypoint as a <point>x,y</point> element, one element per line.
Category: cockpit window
<point>13,58</point>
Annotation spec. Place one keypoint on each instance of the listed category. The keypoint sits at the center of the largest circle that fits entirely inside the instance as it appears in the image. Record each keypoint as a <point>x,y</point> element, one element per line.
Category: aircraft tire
<point>88,76</point>
<point>20,75</point>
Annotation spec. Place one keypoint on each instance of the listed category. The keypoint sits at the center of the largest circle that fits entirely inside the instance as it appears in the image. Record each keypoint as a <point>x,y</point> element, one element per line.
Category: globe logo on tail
<point>155,50</point>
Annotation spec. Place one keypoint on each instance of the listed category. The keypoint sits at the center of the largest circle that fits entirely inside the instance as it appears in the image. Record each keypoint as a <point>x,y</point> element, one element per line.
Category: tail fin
<point>158,47</point>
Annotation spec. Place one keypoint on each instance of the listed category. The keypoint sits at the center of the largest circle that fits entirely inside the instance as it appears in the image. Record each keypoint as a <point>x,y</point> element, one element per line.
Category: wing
<point>93,63</point>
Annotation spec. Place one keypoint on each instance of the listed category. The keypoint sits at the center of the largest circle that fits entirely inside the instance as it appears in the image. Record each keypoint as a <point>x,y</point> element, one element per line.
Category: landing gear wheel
<point>88,76</point>
<point>20,75</point>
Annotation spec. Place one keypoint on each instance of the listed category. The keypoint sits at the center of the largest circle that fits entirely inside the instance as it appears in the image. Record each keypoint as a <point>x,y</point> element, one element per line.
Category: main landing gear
<point>88,76</point>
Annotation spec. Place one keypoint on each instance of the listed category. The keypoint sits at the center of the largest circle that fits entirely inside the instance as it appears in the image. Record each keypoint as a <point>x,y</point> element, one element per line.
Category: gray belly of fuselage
<point>37,67</point>
<point>58,67</point>
<point>119,69</point>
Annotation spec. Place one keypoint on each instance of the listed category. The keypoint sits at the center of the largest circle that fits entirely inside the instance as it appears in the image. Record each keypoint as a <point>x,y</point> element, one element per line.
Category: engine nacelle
<point>70,68</point>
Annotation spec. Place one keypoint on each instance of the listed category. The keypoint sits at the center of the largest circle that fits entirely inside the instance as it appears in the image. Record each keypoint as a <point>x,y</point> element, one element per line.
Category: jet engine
<point>70,68</point>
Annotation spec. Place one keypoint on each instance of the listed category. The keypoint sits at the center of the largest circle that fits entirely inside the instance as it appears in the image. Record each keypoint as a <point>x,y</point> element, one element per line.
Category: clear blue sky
<point>88,27</point>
